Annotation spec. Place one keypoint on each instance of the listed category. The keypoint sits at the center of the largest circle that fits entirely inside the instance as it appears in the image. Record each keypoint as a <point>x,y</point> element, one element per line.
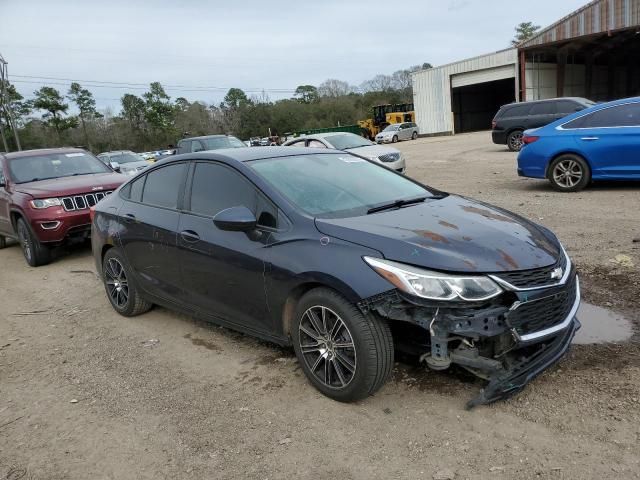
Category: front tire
<point>121,289</point>
<point>35,253</point>
<point>346,355</point>
<point>514,140</point>
<point>394,139</point>
<point>569,173</point>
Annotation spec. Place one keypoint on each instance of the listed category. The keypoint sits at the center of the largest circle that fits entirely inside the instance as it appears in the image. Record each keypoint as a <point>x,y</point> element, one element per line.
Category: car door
<point>148,233</point>
<point>5,200</point>
<point>610,140</point>
<point>223,271</point>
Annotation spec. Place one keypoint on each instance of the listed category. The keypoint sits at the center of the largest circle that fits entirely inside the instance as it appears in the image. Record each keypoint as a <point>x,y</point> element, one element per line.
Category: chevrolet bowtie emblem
<point>557,273</point>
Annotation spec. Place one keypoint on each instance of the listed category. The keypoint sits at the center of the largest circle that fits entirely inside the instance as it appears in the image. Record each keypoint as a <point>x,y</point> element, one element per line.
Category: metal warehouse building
<point>593,53</point>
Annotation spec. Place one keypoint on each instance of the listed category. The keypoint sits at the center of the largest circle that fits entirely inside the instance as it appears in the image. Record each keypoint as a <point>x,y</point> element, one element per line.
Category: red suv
<point>45,197</point>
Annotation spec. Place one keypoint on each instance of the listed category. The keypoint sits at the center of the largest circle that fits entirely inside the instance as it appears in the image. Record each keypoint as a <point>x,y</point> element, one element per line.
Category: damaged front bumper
<point>508,341</point>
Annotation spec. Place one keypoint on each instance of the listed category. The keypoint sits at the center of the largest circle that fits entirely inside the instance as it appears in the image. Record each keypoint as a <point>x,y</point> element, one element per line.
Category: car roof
<point>248,154</point>
<point>42,151</point>
<point>206,136</point>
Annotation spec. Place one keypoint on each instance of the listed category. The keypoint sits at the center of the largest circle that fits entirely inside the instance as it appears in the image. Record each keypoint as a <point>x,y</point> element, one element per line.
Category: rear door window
<point>162,186</point>
<point>547,108</point>
<point>627,115</point>
<point>517,111</point>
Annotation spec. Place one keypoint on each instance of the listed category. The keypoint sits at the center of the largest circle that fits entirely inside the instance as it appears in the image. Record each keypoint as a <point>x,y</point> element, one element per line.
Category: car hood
<point>452,234</point>
<point>373,150</point>
<point>387,134</point>
<point>134,165</point>
<point>60,187</point>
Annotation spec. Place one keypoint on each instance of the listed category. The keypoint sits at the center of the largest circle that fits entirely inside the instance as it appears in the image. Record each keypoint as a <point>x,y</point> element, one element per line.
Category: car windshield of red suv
<point>54,165</point>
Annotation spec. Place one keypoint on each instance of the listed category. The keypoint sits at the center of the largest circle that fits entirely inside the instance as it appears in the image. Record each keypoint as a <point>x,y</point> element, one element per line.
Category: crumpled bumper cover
<point>508,383</point>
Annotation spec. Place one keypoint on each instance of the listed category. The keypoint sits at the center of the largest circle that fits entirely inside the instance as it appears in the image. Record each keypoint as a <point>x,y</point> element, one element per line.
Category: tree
<point>158,109</point>
<point>234,99</point>
<point>133,111</point>
<point>50,100</point>
<point>86,104</point>
<point>379,83</point>
<point>14,107</point>
<point>306,93</point>
<point>524,32</point>
<point>334,88</point>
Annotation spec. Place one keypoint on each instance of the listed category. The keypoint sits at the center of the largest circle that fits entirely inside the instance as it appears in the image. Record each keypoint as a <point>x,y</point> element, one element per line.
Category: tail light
<point>529,139</point>
<point>494,124</point>
<point>92,212</point>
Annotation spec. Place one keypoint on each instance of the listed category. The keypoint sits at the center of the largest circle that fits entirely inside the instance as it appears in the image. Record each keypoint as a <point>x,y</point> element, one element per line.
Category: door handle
<point>590,139</point>
<point>129,217</point>
<point>190,236</point>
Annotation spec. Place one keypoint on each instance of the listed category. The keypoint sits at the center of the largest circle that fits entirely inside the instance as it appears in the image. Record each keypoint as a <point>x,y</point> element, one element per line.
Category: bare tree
<point>334,88</point>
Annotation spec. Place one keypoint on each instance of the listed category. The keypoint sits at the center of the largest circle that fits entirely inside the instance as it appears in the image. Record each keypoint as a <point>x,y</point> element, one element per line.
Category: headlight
<point>131,172</point>
<point>434,285</point>
<point>45,203</point>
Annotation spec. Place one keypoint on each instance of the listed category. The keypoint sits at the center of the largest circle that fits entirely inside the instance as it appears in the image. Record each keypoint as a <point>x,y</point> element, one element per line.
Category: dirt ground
<point>87,394</point>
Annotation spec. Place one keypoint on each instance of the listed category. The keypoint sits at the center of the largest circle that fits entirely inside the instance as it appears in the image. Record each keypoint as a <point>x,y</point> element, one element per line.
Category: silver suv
<point>398,131</point>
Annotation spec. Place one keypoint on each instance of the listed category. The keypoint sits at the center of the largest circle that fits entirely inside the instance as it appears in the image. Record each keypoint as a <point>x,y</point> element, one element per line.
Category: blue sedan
<point>599,143</point>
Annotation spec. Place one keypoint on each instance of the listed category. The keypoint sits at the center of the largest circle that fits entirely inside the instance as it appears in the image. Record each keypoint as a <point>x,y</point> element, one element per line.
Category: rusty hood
<point>453,234</point>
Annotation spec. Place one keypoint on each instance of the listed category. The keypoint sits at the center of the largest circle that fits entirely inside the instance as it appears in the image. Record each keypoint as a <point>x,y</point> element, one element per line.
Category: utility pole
<point>5,107</point>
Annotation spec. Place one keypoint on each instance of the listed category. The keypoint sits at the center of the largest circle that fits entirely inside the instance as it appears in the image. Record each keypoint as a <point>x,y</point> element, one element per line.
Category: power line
<point>132,85</point>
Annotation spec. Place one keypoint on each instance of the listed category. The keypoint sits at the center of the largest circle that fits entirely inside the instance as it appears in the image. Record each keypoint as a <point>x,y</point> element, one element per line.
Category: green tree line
<point>154,120</point>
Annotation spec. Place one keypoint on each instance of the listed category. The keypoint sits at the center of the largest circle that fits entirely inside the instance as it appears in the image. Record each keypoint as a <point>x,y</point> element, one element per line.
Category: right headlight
<point>435,285</point>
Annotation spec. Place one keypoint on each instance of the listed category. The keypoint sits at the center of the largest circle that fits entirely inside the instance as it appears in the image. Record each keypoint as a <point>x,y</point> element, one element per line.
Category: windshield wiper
<point>396,204</point>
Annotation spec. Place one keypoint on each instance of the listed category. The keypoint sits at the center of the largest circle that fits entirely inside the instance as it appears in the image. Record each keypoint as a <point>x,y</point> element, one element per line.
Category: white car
<point>398,131</point>
<point>352,143</point>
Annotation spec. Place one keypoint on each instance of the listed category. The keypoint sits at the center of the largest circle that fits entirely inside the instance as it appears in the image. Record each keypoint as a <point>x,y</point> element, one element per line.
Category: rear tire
<point>3,242</point>
<point>35,253</point>
<point>346,355</point>
<point>514,140</point>
<point>414,136</point>
<point>394,139</point>
<point>122,291</point>
<point>569,173</point>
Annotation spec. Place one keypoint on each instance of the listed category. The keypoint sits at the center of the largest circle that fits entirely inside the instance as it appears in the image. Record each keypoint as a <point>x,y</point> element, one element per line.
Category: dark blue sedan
<point>343,259</point>
<point>599,143</point>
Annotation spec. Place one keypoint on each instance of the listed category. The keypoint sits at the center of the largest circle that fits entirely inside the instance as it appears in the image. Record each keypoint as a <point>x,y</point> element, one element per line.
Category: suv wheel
<point>514,141</point>
<point>569,173</point>
<point>394,139</point>
<point>414,136</point>
<point>344,354</point>
<point>121,289</point>
<point>35,253</point>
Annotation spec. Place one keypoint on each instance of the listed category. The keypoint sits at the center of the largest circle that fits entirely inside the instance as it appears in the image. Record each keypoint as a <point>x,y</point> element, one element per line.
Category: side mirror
<point>115,166</point>
<point>235,219</point>
<point>579,109</point>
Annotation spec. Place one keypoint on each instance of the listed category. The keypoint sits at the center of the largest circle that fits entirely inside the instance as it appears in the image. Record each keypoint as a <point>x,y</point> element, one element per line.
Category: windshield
<point>126,157</point>
<point>215,143</point>
<point>345,141</point>
<point>335,185</point>
<point>54,165</point>
<point>391,128</point>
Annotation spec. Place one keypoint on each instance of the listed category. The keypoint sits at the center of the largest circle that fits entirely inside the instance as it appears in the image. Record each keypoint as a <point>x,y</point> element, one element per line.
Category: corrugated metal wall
<point>432,89</point>
<point>599,16</point>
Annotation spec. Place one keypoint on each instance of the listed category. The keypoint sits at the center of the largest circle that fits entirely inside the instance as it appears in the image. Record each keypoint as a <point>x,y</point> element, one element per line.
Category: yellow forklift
<point>385,115</point>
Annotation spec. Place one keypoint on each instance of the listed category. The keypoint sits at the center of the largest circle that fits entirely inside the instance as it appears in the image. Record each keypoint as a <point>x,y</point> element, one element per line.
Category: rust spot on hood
<point>436,237</point>
<point>488,214</point>
<point>509,259</point>
<point>448,225</point>
<point>470,264</point>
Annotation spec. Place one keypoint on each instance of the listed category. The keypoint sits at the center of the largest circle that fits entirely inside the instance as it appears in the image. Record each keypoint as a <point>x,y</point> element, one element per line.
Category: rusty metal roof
<point>598,16</point>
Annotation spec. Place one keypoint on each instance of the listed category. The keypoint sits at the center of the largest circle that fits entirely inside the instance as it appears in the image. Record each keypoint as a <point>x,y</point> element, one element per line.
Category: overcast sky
<point>272,45</point>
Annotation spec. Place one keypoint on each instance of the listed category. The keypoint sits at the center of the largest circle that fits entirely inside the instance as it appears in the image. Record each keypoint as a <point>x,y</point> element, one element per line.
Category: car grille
<point>543,313</point>
<point>537,278</point>
<point>83,201</point>
<point>389,157</point>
